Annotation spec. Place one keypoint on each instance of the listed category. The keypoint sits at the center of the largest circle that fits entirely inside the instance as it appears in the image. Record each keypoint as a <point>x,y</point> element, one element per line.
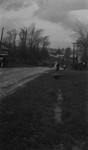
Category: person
<point>64,66</point>
<point>1,62</point>
<point>80,66</point>
<point>76,66</point>
<point>57,66</point>
<point>84,65</point>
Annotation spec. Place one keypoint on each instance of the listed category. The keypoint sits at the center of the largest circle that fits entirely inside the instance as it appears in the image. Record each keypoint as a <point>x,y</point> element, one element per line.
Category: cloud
<point>60,11</point>
<point>55,11</point>
<point>52,15</point>
<point>14,4</point>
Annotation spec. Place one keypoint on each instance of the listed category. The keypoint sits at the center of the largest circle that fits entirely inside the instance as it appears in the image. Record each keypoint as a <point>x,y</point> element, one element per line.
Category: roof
<point>3,47</point>
<point>52,50</point>
<point>54,56</point>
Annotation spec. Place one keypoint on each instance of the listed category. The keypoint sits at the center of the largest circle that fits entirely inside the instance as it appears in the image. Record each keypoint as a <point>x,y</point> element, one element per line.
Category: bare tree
<point>23,42</point>
<point>67,53</point>
<point>36,42</point>
<point>23,36</point>
<point>30,46</point>
<point>81,38</point>
<point>45,42</point>
<point>34,37</point>
<point>10,41</point>
<point>11,35</point>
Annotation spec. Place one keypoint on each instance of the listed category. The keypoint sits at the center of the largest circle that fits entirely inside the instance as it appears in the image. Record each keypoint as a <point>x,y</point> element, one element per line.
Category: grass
<point>27,119</point>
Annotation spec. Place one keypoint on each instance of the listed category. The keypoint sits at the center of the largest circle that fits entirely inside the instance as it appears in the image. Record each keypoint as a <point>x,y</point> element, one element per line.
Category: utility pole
<point>1,37</point>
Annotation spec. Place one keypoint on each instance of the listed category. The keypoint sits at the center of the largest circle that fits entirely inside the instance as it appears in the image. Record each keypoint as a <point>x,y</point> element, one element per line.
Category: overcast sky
<point>57,17</point>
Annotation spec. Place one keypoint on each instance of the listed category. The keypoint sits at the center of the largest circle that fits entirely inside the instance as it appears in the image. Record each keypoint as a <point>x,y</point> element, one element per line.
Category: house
<point>3,50</point>
<point>3,55</point>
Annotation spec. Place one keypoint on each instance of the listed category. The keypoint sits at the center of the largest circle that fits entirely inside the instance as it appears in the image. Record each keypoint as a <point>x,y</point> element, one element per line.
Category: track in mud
<point>12,78</point>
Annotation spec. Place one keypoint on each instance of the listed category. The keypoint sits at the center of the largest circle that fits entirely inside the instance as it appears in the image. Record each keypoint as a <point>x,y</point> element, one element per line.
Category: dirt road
<point>12,78</point>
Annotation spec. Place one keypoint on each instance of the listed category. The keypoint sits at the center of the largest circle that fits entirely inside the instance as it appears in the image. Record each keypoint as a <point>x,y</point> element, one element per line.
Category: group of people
<point>76,66</point>
<point>80,66</point>
<point>58,66</point>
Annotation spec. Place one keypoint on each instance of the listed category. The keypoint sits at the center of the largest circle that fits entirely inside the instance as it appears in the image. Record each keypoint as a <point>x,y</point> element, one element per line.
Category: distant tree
<point>60,51</point>
<point>23,43</point>
<point>29,45</point>
<point>45,42</point>
<point>36,43</point>
<point>81,38</point>
<point>36,38</point>
<point>67,53</point>
<point>10,41</point>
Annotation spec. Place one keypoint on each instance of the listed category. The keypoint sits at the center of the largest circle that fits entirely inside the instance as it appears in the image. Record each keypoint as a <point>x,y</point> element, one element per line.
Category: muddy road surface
<point>12,78</point>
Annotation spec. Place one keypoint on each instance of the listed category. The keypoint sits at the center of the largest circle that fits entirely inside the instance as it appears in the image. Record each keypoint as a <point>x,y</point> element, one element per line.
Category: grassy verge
<point>27,119</point>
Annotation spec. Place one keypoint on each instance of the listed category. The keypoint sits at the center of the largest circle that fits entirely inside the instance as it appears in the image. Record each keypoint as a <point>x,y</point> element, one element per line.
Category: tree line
<point>27,46</point>
<point>81,40</point>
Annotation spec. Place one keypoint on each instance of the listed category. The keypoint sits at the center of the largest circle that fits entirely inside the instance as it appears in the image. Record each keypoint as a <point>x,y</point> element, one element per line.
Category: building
<point>3,49</point>
<point>3,55</point>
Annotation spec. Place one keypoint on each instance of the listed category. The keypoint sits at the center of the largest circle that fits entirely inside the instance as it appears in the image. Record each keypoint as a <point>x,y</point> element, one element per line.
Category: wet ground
<point>48,114</point>
<point>74,108</point>
<point>12,78</point>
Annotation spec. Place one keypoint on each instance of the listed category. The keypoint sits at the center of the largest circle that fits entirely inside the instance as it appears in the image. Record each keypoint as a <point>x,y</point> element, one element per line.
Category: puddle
<point>58,110</point>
